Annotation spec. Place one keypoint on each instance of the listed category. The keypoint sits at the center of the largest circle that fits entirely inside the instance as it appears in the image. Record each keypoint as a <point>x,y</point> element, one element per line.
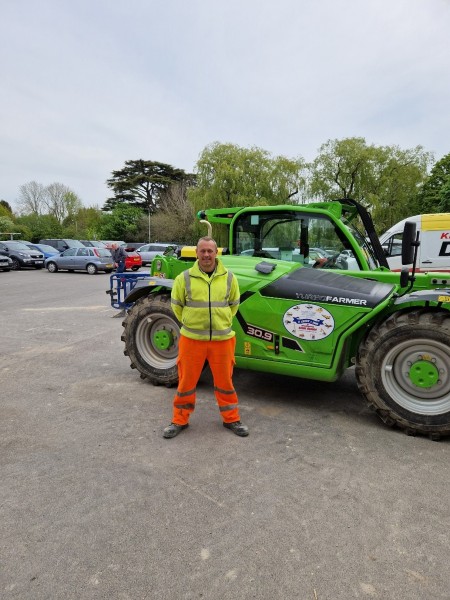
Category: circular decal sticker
<point>308,322</point>
<point>158,265</point>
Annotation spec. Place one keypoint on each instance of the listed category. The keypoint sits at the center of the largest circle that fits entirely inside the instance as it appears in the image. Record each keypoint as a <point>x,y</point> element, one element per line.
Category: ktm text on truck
<point>311,316</point>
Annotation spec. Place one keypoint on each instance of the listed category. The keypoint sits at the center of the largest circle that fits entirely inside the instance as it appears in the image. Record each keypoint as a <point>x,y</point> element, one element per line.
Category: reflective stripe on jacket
<point>204,305</point>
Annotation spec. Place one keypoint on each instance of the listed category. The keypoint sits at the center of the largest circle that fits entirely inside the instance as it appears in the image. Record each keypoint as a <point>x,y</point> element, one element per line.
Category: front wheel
<point>52,267</point>
<point>15,264</point>
<point>151,333</point>
<point>403,369</point>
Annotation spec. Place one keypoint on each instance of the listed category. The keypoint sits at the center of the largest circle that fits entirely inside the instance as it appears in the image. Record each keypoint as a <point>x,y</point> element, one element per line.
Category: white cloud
<point>88,85</point>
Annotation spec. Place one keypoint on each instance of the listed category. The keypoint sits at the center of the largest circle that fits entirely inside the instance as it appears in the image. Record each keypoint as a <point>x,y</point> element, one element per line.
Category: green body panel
<point>321,359</point>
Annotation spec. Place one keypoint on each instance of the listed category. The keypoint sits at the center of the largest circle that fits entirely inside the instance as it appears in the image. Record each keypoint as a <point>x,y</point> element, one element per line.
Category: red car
<point>133,260</point>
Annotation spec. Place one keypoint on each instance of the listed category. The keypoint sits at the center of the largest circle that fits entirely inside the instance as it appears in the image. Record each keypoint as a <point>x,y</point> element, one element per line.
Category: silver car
<point>149,251</point>
<point>81,259</point>
<point>5,263</point>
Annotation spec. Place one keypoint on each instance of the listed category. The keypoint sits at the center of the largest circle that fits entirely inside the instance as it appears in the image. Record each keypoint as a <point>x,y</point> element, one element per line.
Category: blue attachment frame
<point>121,285</point>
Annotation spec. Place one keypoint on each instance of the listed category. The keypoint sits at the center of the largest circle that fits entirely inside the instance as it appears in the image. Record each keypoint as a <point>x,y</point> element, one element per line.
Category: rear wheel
<point>151,333</point>
<point>52,267</point>
<point>91,269</point>
<point>135,268</point>
<point>403,369</point>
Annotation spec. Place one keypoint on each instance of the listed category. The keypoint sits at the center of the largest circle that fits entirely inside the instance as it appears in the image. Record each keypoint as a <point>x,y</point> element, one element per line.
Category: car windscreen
<point>17,246</point>
<point>45,248</point>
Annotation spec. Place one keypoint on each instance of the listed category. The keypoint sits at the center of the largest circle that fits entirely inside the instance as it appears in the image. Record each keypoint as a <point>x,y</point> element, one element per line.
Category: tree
<point>40,226</point>
<point>61,201</point>
<point>5,209</point>
<point>6,225</point>
<point>32,198</point>
<point>385,179</point>
<point>84,224</point>
<point>175,220</point>
<point>121,223</point>
<point>444,197</point>
<point>9,225</point>
<point>435,193</point>
<point>228,175</point>
<point>141,182</point>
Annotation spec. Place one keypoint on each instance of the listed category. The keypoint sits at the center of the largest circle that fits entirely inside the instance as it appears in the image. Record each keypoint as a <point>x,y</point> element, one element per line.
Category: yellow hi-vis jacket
<point>205,306</point>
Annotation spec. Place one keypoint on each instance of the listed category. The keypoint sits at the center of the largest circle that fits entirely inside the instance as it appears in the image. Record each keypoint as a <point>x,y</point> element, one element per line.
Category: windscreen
<point>307,238</point>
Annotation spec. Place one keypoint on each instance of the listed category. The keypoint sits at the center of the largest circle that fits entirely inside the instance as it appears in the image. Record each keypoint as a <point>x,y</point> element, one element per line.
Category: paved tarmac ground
<point>321,502</point>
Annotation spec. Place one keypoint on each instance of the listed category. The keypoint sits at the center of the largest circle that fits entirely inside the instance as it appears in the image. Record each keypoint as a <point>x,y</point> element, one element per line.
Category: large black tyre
<point>15,264</point>
<point>403,369</point>
<point>151,333</point>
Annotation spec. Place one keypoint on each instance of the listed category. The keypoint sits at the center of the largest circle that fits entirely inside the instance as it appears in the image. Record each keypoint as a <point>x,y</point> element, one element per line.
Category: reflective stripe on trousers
<point>192,355</point>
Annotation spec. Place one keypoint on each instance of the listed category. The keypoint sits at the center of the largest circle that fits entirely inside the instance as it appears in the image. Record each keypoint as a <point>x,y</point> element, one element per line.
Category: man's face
<point>206,254</point>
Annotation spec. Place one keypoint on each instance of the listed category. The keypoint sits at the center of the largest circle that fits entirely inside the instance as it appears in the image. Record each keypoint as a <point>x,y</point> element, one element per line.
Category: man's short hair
<point>207,238</point>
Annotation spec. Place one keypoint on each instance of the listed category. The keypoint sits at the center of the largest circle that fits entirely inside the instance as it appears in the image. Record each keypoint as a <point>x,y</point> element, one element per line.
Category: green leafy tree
<point>84,224</point>
<point>141,182</point>
<point>229,175</point>
<point>444,197</point>
<point>40,226</point>
<point>435,193</point>
<point>385,179</point>
<point>8,226</point>
<point>121,223</point>
<point>5,209</point>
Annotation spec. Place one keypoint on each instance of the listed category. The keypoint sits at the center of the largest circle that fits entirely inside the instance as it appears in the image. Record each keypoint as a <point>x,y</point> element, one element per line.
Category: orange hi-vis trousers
<point>191,359</point>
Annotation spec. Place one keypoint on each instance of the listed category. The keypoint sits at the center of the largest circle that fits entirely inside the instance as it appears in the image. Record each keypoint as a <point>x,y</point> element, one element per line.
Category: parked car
<point>132,246</point>
<point>61,244</point>
<point>133,261</point>
<point>93,243</point>
<point>5,263</point>
<point>149,251</point>
<point>46,250</point>
<point>21,255</point>
<point>109,243</point>
<point>81,259</point>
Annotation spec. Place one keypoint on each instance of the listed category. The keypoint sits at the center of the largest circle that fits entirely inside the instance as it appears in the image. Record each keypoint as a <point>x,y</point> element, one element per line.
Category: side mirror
<point>408,243</point>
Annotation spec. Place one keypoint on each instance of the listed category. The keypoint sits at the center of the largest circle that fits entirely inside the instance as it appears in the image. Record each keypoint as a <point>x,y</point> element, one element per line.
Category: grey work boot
<point>173,430</point>
<point>238,428</point>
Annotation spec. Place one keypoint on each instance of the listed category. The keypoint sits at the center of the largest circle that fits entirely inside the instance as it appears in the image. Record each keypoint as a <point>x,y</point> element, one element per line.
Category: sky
<point>89,84</point>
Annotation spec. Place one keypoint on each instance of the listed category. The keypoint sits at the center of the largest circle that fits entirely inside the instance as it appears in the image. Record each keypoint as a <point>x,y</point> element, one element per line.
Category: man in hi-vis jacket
<point>204,299</point>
